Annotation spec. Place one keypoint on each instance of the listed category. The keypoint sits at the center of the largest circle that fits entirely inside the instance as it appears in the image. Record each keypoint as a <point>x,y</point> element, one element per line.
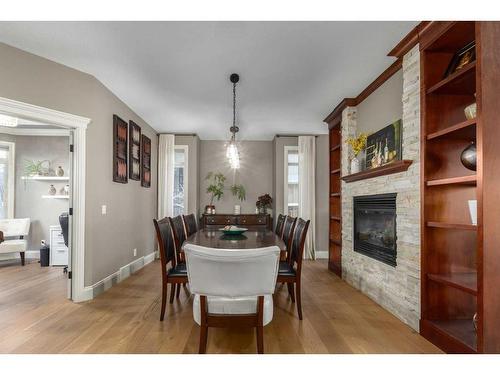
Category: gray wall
<point>28,202</point>
<point>255,173</point>
<point>109,239</point>
<point>193,143</point>
<point>382,107</point>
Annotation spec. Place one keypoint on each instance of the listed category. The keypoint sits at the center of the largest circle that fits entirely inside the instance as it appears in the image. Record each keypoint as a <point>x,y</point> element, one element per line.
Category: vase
<point>355,165</point>
<point>470,111</point>
<point>469,157</point>
<point>52,190</point>
<point>473,211</point>
<point>60,172</point>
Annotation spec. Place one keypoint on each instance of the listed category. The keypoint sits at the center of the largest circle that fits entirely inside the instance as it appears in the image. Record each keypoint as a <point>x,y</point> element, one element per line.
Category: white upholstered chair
<point>14,231</point>
<point>232,287</point>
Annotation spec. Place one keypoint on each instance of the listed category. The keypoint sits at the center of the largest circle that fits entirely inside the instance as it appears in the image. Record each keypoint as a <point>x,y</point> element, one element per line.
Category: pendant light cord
<point>234,104</point>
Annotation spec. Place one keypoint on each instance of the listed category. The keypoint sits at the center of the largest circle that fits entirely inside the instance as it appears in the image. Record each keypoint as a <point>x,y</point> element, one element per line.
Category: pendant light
<point>231,149</point>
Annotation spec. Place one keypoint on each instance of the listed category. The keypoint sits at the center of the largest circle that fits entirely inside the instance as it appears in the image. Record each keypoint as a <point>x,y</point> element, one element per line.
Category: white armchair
<point>232,287</point>
<point>14,231</point>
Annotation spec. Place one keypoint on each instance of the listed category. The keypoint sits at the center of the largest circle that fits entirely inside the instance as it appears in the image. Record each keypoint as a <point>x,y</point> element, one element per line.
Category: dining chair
<point>180,236</point>
<point>288,227</point>
<point>177,273</point>
<point>290,270</point>
<point>232,288</point>
<point>190,224</point>
<point>279,225</point>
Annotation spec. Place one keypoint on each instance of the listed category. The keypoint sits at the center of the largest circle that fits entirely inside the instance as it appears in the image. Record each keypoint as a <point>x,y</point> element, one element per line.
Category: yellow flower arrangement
<point>357,144</point>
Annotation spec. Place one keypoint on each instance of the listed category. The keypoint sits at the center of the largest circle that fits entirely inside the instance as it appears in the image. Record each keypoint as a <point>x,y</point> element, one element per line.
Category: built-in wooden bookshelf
<point>335,232</point>
<point>460,263</point>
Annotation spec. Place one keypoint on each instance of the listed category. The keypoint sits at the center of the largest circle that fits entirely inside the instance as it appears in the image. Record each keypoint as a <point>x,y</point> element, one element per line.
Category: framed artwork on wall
<point>384,146</point>
<point>145,161</point>
<point>120,138</point>
<point>134,151</point>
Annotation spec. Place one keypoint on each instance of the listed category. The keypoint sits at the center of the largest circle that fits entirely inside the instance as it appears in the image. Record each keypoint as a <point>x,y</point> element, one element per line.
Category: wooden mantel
<point>394,167</point>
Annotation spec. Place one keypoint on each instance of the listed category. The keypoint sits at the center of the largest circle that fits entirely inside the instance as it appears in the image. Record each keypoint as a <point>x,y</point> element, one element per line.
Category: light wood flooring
<point>35,317</point>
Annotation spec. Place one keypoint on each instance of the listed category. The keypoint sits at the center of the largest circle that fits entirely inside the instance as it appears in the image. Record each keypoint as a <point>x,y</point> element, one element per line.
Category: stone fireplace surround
<point>395,288</point>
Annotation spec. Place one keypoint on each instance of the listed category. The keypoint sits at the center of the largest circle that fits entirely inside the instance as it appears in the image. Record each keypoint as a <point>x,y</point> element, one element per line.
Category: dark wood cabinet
<point>250,221</point>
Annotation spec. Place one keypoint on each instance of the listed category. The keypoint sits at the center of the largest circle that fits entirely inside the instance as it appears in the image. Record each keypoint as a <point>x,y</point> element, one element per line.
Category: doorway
<point>15,113</point>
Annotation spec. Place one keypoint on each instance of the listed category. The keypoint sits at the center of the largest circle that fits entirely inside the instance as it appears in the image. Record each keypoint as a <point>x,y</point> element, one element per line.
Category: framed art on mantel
<point>134,151</point>
<point>145,161</point>
<point>384,146</point>
<point>120,138</point>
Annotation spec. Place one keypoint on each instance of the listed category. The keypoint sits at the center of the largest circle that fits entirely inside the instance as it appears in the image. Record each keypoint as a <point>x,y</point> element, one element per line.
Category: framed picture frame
<point>134,151</point>
<point>464,56</point>
<point>120,141</point>
<point>145,161</point>
<point>384,146</point>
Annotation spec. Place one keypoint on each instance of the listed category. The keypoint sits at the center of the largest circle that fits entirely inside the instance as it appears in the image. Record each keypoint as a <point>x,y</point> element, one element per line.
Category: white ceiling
<point>175,75</point>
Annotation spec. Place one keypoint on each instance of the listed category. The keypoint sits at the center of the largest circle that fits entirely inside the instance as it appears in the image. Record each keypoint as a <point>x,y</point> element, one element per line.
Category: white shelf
<point>55,196</point>
<point>46,178</point>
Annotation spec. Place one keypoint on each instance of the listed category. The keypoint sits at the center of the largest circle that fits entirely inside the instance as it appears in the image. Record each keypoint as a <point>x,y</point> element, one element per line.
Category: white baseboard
<point>321,254</point>
<point>94,290</point>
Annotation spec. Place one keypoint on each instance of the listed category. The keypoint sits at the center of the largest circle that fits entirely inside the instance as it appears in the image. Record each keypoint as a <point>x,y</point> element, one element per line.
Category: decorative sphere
<point>468,157</point>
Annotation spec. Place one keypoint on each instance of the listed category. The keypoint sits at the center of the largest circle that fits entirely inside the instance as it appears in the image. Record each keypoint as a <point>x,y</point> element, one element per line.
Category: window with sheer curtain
<point>6,180</point>
<point>291,181</point>
<point>180,180</point>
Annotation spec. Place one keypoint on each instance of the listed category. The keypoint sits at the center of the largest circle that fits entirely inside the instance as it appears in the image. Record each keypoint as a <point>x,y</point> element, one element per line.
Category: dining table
<point>251,239</point>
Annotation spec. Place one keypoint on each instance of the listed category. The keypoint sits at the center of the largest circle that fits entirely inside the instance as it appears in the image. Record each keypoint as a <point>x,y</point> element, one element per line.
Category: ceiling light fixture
<point>8,121</point>
<point>231,149</point>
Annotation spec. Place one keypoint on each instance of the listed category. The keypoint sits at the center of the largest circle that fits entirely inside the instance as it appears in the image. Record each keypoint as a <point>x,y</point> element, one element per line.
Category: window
<point>291,197</point>
<point>180,197</point>
<point>6,180</point>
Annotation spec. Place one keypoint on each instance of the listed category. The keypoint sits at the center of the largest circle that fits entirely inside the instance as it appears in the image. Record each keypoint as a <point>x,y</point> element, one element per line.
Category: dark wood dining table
<point>251,239</point>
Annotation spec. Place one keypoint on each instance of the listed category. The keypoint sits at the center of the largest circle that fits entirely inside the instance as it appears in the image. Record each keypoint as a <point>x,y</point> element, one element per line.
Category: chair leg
<point>299,300</point>
<point>291,291</point>
<point>172,292</point>
<point>260,340</point>
<point>163,300</point>
<point>203,326</point>
<point>203,339</point>
<point>178,291</point>
<point>22,258</point>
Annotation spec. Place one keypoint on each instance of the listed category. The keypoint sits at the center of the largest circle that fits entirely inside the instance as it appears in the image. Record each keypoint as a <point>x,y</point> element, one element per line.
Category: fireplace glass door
<point>375,227</point>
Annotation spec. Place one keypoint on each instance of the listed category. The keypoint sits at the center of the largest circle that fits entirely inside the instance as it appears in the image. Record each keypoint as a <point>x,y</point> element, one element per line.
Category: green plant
<point>34,167</point>
<point>216,186</point>
<point>239,191</point>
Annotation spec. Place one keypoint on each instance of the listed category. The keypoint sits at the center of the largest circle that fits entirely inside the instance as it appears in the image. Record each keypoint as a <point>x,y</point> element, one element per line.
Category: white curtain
<point>166,145</point>
<point>307,189</point>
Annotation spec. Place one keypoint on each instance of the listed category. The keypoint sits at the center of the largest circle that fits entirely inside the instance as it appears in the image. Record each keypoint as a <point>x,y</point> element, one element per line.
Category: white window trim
<point>287,149</point>
<point>11,182</point>
<point>186,176</point>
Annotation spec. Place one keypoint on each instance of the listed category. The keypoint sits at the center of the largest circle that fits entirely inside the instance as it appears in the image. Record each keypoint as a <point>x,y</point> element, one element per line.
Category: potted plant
<point>357,144</point>
<point>215,189</point>
<point>35,168</point>
<point>239,191</point>
<point>263,203</point>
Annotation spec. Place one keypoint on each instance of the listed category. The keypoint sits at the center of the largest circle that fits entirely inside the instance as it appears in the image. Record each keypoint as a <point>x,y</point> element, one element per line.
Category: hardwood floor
<point>35,317</point>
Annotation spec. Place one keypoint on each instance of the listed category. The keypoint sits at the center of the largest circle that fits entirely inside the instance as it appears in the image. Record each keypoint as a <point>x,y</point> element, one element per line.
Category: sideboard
<point>250,221</point>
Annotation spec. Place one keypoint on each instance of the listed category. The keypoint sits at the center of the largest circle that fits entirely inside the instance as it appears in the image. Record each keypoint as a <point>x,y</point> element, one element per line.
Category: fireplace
<point>375,227</point>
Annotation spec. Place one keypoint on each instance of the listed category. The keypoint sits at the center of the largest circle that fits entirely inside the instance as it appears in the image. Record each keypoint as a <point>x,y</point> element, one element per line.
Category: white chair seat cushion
<point>234,306</point>
<point>13,246</point>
